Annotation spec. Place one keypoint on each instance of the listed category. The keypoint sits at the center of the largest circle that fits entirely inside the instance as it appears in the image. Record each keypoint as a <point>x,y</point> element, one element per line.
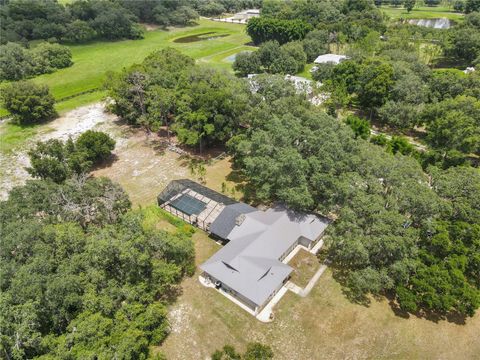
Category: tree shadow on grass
<point>425,314</point>
<point>341,277</point>
<point>105,163</point>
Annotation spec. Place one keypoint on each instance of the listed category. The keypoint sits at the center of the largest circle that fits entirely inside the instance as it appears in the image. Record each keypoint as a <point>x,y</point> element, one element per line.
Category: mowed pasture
<point>92,61</point>
<point>422,12</point>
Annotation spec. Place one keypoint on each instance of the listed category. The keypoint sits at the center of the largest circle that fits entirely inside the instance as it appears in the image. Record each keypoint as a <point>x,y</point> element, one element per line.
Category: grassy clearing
<point>11,136</point>
<point>304,266</point>
<point>422,12</point>
<point>144,167</point>
<point>93,60</point>
<point>324,325</point>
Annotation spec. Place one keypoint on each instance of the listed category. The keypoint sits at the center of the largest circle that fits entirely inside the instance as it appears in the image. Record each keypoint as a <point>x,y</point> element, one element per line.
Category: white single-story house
<point>249,266</point>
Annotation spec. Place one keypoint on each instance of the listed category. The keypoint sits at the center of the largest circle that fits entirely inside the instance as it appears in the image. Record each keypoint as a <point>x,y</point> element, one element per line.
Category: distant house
<point>302,86</point>
<point>249,267</point>
<point>330,58</point>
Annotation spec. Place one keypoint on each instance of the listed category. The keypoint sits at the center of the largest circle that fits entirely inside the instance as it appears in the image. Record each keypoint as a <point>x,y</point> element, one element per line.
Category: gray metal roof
<point>225,222</point>
<point>249,262</point>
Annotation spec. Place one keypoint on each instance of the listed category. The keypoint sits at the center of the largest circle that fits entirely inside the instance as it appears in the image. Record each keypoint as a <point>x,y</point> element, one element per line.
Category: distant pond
<point>199,37</point>
<point>440,23</point>
<point>232,58</point>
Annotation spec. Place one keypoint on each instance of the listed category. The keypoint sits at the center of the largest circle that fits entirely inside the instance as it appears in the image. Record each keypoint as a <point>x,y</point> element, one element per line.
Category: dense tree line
<point>81,276</point>
<point>85,20</point>
<point>263,29</point>
<point>392,86</point>
<point>79,21</point>
<point>289,58</point>
<point>398,229</point>
<point>347,19</point>
<point>17,63</point>
<point>201,105</point>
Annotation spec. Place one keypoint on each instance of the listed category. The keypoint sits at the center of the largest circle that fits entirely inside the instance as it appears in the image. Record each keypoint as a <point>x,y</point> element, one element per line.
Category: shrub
<point>16,62</point>
<point>57,160</point>
<point>28,102</point>
<point>247,63</point>
<point>96,145</point>
<point>49,57</point>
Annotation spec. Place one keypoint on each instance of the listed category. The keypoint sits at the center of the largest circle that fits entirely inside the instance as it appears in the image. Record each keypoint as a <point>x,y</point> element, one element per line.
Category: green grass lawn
<point>422,12</point>
<point>81,84</point>
<point>323,325</point>
<point>93,60</point>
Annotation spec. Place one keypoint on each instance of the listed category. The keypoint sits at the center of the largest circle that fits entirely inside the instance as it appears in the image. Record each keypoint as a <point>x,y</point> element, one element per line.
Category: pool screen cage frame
<point>178,188</point>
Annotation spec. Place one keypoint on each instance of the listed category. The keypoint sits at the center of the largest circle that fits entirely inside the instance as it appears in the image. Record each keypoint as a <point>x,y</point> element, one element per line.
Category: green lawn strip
<point>12,135</point>
<point>80,100</point>
<point>422,12</point>
<point>306,72</point>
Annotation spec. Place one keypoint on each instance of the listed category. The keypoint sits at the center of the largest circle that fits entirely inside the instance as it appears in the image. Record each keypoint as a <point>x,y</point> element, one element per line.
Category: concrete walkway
<point>265,314</point>
<point>304,292</point>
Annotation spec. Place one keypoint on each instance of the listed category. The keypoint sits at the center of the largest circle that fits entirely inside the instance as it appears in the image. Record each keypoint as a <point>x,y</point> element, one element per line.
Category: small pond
<point>232,57</point>
<point>199,37</point>
<point>441,23</point>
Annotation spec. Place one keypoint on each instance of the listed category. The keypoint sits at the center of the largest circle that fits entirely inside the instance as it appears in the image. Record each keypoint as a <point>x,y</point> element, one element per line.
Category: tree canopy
<point>387,213</point>
<point>28,102</point>
<point>81,275</point>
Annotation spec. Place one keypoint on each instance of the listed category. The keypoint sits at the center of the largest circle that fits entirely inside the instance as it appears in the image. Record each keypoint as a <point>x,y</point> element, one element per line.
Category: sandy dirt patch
<point>143,166</point>
<point>72,124</point>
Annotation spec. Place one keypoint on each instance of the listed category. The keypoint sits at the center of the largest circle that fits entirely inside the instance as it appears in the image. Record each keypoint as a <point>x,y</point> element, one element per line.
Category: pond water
<point>232,57</point>
<point>440,23</point>
<point>199,37</point>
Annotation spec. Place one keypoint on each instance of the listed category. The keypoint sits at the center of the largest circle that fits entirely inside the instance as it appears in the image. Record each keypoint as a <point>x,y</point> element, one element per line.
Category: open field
<point>81,84</point>
<point>93,60</point>
<point>324,325</point>
<point>142,166</point>
<point>422,12</point>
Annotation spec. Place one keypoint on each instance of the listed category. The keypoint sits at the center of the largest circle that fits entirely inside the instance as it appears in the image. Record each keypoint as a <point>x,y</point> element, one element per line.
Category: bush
<point>294,50</point>
<point>380,140</point>
<point>28,102</point>
<point>323,71</point>
<point>247,63</point>
<point>315,44</point>
<point>49,57</point>
<point>459,6</point>
<point>58,161</point>
<point>79,31</point>
<point>16,62</point>
<point>472,5</point>
<point>96,145</point>
<point>360,127</point>
<point>399,144</point>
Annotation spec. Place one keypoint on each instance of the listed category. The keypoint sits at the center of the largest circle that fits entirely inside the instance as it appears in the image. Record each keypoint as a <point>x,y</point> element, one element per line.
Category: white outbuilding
<point>330,58</point>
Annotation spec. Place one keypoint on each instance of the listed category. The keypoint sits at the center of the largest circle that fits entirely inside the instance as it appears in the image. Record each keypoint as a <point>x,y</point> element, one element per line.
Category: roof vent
<point>239,220</point>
